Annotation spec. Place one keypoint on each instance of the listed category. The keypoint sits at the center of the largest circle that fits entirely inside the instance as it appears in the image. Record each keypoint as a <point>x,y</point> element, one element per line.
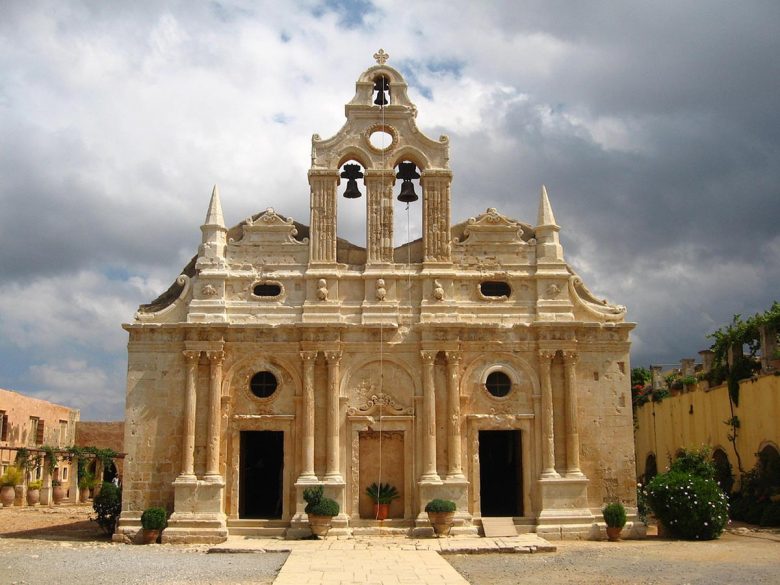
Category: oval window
<point>263,384</point>
<point>495,288</point>
<point>498,384</point>
<point>381,140</point>
<point>267,289</point>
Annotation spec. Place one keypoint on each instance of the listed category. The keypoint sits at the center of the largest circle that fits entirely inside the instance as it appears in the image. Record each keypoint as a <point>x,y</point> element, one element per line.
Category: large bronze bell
<point>350,173</point>
<point>407,171</point>
<point>381,85</point>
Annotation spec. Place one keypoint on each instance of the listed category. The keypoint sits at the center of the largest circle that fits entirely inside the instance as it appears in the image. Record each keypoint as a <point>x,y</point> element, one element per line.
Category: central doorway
<point>261,472</point>
<point>500,473</point>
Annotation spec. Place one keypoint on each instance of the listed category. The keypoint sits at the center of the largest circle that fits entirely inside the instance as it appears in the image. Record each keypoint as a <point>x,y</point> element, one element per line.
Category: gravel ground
<point>740,557</point>
<point>61,545</point>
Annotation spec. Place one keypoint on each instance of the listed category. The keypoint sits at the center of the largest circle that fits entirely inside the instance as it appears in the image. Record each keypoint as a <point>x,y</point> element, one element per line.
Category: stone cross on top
<point>381,57</point>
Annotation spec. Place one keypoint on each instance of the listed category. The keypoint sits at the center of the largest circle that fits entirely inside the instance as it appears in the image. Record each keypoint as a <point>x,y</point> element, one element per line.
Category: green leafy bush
<point>154,519</point>
<point>439,505</point>
<point>690,506</point>
<point>107,506</point>
<point>614,515</point>
<point>12,476</point>
<point>34,485</point>
<point>382,493</point>
<point>317,504</point>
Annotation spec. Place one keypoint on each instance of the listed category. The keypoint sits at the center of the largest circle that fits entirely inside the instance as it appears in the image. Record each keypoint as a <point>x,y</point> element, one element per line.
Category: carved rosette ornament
<point>322,289</point>
<point>438,291</point>
<point>381,291</point>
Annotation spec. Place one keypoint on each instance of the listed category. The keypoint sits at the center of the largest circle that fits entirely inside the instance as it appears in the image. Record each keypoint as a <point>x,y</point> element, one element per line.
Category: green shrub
<point>317,504</point>
<point>154,519</point>
<point>614,515</point>
<point>439,505</point>
<point>382,493</point>
<point>107,506</point>
<point>34,485</point>
<point>13,476</point>
<point>696,462</point>
<point>690,506</point>
<point>771,515</point>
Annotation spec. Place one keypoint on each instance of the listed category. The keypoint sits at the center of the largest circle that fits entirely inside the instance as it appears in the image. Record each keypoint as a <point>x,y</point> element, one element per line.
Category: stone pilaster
<point>429,419</point>
<point>572,431</point>
<point>307,416</point>
<point>215,402</point>
<point>379,218</point>
<point>548,441</point>
<point>188,434</point>
<point>436,215</point>
<point>332,465</point>
<point>322,236</point>
<point>454,467</point>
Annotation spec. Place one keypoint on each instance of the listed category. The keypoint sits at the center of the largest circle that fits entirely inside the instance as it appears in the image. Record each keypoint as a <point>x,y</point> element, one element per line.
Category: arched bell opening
<point>381,92</point>
<point>407,208</point>
<point>351,222</point>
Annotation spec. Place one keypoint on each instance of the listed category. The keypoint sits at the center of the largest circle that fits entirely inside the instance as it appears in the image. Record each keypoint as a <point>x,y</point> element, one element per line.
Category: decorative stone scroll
<point>380,401</point>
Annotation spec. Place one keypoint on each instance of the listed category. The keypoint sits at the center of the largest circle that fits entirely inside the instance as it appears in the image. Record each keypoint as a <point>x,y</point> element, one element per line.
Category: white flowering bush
<point>688,500</point>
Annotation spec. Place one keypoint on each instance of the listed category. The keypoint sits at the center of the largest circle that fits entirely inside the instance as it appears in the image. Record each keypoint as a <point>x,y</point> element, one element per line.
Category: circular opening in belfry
<point>498,384</point>
<point>263,384</point>
<point>380,139</point>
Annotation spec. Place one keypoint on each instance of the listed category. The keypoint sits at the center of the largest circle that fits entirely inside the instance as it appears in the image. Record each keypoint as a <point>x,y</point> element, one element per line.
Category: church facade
<point>471,364</point>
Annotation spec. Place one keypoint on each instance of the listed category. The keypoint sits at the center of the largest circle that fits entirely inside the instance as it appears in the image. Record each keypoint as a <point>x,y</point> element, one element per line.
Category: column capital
<point>191,355</point>
<point>333,356</point>
<point>427,357</point>
<point>546,355</point>
<point>570,357</point>
<point>216,357</point>
<point>309,356</point>
<point>453,357</point>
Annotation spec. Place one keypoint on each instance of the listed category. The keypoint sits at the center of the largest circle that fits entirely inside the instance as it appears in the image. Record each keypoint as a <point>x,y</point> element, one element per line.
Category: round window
<point>498,384</point>
<point>263,384</point>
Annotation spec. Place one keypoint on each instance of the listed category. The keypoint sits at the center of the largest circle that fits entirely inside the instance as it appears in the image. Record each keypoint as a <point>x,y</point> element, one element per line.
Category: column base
<point>565,513</point>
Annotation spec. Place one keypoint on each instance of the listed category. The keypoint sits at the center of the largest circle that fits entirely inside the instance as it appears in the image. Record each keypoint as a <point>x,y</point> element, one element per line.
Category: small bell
<point>350,173</point>
<point>381,86</point>
<point>407,171</point>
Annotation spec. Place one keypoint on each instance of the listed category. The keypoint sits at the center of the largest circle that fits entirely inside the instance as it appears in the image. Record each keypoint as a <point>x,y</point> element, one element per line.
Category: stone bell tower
<point>370,115</point>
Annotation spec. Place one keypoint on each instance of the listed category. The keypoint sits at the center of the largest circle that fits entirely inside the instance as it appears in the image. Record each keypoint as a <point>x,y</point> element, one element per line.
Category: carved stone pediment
<point>377,403</point>
<point>492,226</point>
<point>269,228</point>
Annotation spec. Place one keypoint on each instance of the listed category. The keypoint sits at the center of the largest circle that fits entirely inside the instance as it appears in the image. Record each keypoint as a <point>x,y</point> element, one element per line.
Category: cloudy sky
<point>654,125</point>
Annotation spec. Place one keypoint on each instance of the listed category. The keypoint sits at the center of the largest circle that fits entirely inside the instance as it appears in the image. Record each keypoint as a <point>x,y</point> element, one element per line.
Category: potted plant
<point>382,494</point>
<point>34,493</point>
<point>440,515</point>
<point>57,491</point>
<point>153,522</point>
<point>86,484</point>
<point>615,518</point>
<point>320,510</point>
<point>10,479</point>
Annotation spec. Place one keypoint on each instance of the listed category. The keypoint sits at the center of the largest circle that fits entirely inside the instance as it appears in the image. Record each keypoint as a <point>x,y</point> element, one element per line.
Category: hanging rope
<point>381,322</point>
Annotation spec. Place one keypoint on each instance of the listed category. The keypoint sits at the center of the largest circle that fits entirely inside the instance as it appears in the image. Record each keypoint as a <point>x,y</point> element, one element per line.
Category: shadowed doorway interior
<point>262,465</point>
<point>500,473</point>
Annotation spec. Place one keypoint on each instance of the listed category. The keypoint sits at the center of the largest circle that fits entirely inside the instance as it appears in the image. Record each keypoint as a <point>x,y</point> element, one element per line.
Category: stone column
<point>657,378</point>
<point>322,237</point>
<point>429,418</point>
<point>687,366</point>
<point>332,467</point>
<point>379,218</point>
<point>572,432</point>
<point>215,402</point>
<point>707,356</point>
<point>454,468</point>
<point>307,416</point>
<point>548,440</point>
<point>768,340</point>
<point>436,215</point>
<point>188,436</point>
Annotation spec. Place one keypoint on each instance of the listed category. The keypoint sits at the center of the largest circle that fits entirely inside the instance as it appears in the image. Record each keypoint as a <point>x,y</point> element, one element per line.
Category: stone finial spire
<point>214,214</point>
<point>545,215</point>
<point>548,246</point>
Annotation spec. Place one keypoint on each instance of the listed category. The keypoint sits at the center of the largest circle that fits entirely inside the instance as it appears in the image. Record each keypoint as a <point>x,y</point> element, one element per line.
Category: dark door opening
<point>500,473</point>
<point>262,464</point>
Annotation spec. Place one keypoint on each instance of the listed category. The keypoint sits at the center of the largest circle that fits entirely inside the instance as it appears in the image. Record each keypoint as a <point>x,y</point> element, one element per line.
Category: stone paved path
<point>375,567</point>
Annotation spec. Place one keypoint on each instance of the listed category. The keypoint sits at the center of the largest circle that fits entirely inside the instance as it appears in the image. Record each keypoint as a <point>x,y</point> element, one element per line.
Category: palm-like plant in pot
<point>382,495</point>
<point>320,510</point>
<point>615,518</point>
<point>440,515</point>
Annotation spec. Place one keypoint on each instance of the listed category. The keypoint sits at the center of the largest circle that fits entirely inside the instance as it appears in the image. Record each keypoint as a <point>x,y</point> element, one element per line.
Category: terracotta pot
<point>7,495</point>
<point>57,494</point>
<point>319,524</point>
<point>148,536</point>
<point>83,496</point>
<point>441,522</point>
<point>33,497</point>
<point>381,511</point>
<point>613,533</point>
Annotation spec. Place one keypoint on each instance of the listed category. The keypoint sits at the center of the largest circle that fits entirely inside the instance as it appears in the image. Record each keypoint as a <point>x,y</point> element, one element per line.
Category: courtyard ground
<point>61,545</point>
